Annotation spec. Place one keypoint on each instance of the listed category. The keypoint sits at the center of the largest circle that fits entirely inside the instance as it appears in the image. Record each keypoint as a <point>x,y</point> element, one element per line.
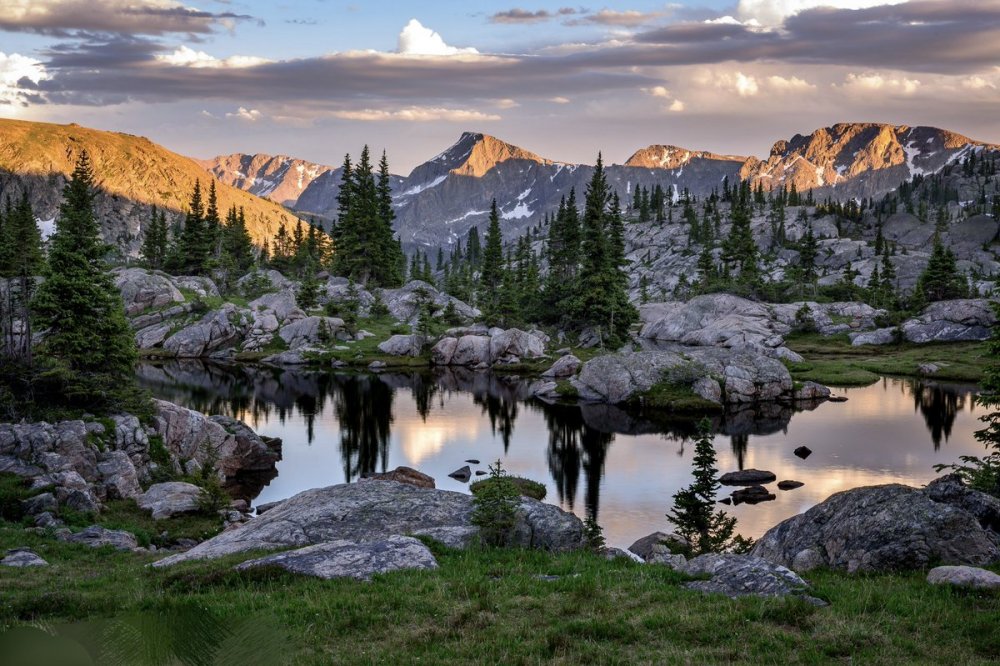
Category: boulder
<point>752,495</point>
<point>273,278</point>
<point>152,336</point>
<point>374,511</point>
<point>802,452</point>
<point>950,489</point>
<point>974,577</point>
<point>747,477</point>
<point>565,366</point>
<point>882,336</point>
<point>741,576</point>
<point>142,290</point>
<point>789,485</point>
<point>403,345</point>
<point>811,391</point>
<point>656,544</point>
<point>202,287</point>
<point>462,474</point>
<point>281,304</point>
<point>513,345</point>
<point>351,559</point>
<point>403,474</point>
<point>879,528</point>
<point>311,331</point>
<point>951,321</point>
<point>290,357</point>
<point>21,558</point>
<point>404,303</point>
<point>469,350</point>
<point>164,500</point>
<point>98,537</point>
<point>216,330</point>
<point>716,319</point>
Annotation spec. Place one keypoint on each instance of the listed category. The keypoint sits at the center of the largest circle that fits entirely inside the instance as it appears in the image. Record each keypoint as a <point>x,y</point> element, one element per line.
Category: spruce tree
<point>940,280</point>
<point>88,351</point>
<point>23,261</point>
<point>491,273</point>
<point>155,243</point>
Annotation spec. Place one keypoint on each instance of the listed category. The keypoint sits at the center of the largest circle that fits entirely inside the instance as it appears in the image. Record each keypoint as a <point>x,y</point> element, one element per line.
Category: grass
<point>526,487</point>
<point>676,399</point>
<point>832,360</point>
<point>485,607</point>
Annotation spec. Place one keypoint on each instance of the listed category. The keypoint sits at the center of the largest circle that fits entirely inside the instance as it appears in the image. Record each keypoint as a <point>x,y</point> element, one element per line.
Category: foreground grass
<point>490,607</point>
<point>832,360</point>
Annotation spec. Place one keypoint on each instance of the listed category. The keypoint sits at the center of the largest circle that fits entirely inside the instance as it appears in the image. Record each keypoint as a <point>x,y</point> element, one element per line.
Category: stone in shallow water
<point>752,495</point>
<point>463,474</point>
<point>747,477</point>
<point>964,577</point>
<point>351,559</point>
<point>789,485</point>
<point>803,452</point>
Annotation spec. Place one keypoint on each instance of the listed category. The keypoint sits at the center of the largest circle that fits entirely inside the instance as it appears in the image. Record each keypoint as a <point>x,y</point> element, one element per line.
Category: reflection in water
<point>339,427</point>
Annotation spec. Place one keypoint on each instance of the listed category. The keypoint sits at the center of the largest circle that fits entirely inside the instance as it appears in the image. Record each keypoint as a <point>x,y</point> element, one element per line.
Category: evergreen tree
<point>213,229</point>
<point>390,261</point>
<point>491,273</point>
<point>22,261</point>
<point>155,244</point>
<point>739,250</point>
<point>941,280</point>
<point>88,353</point>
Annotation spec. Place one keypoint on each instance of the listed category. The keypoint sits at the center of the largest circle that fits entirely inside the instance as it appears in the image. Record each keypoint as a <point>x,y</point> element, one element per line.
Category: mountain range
<point>442,198</point>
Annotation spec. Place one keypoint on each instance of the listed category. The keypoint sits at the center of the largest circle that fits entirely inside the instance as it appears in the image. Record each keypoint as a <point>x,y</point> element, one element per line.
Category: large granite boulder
<point>373,511</point>
<point>271,277</point>
<point>311,331</point>
<point>165,500</point>
<point>514,345</point>
<point>340,291</point>
<point>974,577</point>
<point>715,319</point>
<point>881,528</point>
<point>96,536</point>
<point>403,345</point>
<point>21,558</point>
<point>741,576</point>
<point>218,329</point>
<point>281,304</point>
<point>201,286</point>
<point>951,321</point>
<point>404,303</point>
<point>142,290</point>
<point>565,366</point>
<point>351,559</point>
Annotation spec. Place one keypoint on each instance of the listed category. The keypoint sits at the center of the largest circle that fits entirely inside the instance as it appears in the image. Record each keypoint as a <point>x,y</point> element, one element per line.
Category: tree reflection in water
<point>579,437</point>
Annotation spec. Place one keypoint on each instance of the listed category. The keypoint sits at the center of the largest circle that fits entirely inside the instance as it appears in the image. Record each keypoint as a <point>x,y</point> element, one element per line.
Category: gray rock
<point>747,477</point>
<point>458,538</point>
<point>40,504</point>
<point>950,489</point>
<point>202,287</point>
<point>142,290</point>
<point>22,558</point>
<point>951,321</point>
<point>275,279</point>
<point>789,485</point>
<point>565,366</point>
<point>310,331</point>
<point>657,544</point>
<point>152,336</point>
<point>879,528</point>
<point>373,511</point>
<point>404,303</point>
<point>118,475</point>
<point>709,389</point>
<point>752,495</point>
<point>742,575</point>
<point>281,304</point>
<point>462,474</point>
<point>377,365</point>
<point>882,336</point>
<point>351,559</point>
<point>468,350</point>
<point>289,357</point>
<point>811,391</point>
<point>164,500</point>
<point>403,474</point>
<point>973,577</point>
<point>98,537</point>
<point>216,330</point>
<point>403,345</point>
<point>515,344</point>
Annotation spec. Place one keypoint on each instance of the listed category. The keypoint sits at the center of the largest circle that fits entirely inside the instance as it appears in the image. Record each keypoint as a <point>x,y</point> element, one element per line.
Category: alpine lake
<point>621,468</point>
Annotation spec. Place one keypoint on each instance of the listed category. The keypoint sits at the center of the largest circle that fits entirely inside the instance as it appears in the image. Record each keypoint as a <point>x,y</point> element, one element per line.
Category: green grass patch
<point>832,360</point>
<point>489,606</point>
<point>675,398</point>
<point>526,487</point>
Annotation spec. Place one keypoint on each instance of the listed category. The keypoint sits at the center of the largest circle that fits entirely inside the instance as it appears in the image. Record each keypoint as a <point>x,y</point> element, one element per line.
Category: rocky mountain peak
<point>279,178</point>
<point>668,157</point>
<point>474,154</point>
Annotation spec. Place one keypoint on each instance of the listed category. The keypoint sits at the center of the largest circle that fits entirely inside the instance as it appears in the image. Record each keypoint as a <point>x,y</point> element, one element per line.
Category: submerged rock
<point>789,485</point>
<point>462,474</point>
<point>747,477</point>
<point>351,559</point>
<point>752,495</point>
<point>802,452</point>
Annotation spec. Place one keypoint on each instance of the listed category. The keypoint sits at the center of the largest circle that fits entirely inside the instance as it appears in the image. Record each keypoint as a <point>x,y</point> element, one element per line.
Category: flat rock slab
<point>747,477</point>
<point>351,559</point>
<point>98,537</point>
<point>21,558</point>
<point>403,474</point>
<point>789,485</point>
<point>375,511</point>
<point>741,576</point>
<point>973,577</point>
<point>164,500</point>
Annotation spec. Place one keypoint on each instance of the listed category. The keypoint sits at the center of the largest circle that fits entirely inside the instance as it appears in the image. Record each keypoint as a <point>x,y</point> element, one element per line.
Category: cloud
<point>416,114</point>
<point>507,103</point>
<point>792,84</point>
<point>518,15</point>
<point>774,12</point>
<point>744,85</point>
<point>978,83</point>
<point>559,100</point>
<point>187,57</point>
<point>63,18</point>
<point>628,18</point>
<point>245,114</point>
<point>868,82</point>
<point>657,91</point>
<point>676,106</point>
<point>18,75</point>
<point>415,39</point>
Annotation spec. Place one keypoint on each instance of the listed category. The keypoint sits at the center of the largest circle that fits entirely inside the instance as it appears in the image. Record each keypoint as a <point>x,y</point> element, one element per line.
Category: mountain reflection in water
<point>595,460</point>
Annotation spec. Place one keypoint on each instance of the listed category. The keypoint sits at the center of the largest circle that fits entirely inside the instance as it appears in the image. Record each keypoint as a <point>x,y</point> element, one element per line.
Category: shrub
<point>495,508</point>
<point>525,487</point>
<point>593,533</point>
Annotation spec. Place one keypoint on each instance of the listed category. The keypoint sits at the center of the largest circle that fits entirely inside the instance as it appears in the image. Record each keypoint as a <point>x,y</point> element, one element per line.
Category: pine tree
<point>940,280</point>
<point>491,273</point>
<point>390,261</point>
<point>88,352</point>
<point>739,250</point>
<point>22,261</point>
<point>212,230</point>
<point>155,244</point>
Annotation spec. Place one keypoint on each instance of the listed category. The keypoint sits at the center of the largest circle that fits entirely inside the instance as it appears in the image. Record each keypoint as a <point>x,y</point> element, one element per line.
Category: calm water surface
<point>594,460</point>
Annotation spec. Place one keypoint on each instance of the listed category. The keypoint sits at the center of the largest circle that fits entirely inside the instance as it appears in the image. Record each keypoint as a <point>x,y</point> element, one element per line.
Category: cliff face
<point>279,178</point>
<point>132,173</point>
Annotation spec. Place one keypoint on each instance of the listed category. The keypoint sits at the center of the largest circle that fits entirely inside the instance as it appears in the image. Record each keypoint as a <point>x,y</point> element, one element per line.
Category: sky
<point>316,79</point>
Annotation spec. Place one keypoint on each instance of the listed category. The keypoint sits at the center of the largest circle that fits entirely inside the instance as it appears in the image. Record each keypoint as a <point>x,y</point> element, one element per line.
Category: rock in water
<point>803,452</point>
<point>374,511</point>
<point>752,495</point>
<point>747,477</point>
<point>789,485</point>
<point>973,577</point>
<point>21,558</point>
<point>879,528</point>
<point>462,474</point>
<point>164,500</point>
<point>351,559</point>
<point>402,474</point>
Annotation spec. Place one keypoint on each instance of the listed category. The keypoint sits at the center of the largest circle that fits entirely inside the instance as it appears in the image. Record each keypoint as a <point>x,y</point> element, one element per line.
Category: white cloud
<point>559,100</point>
<point>416,114</point>
<point>791,84</point>
<point>245,114</point>
<point>868,82</point>
<point>507,103</point>
<point>188,57</point>
<point>676,106</point>
<point>774,12</point>
<point>13,68</point>
<point>657,91</point>
<point>415,39</point>
<point>978,83</point>
<point>746,86</point>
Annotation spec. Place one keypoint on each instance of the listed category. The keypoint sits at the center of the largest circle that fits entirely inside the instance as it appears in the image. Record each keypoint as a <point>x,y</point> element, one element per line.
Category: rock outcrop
<point>885,528</point>
<point>373,511</point>
<point>945,321</point>
<point>165,500</point>
<point>501,346</point>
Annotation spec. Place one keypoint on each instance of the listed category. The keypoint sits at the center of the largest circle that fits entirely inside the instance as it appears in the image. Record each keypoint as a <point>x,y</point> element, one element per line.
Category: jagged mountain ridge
<point>132,175</point>
<point>442,198</point>
<point>280,178</point>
